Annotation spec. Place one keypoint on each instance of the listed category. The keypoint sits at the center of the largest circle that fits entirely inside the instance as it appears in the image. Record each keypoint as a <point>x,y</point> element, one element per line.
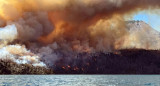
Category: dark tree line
<point>128,61</point>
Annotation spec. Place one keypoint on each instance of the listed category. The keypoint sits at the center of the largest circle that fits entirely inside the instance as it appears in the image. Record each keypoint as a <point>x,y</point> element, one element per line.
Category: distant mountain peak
<point>141,35</point>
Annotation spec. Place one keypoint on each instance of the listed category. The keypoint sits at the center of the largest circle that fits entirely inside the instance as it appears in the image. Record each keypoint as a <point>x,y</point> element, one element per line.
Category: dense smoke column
<point>69,16</point>
<point>69,27</point>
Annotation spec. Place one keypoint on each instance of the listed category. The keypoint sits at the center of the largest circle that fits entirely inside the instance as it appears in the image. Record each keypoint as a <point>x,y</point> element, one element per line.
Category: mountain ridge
<point>141,35</point>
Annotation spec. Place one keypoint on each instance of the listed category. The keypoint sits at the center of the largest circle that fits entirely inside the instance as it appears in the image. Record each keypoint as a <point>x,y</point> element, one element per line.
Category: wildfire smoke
<point>54,29</point>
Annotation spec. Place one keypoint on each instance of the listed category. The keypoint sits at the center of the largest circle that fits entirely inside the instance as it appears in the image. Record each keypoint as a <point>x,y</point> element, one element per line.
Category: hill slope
<point>141,35</point>
<point>128,61</point>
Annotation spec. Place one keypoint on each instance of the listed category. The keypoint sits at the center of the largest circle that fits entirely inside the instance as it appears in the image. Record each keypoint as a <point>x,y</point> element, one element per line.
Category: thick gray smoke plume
<point>53,29</point>
<point>32,25</point>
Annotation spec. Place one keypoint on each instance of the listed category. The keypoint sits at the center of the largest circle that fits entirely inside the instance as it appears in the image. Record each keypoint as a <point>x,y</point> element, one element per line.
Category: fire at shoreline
<point>45,32</point>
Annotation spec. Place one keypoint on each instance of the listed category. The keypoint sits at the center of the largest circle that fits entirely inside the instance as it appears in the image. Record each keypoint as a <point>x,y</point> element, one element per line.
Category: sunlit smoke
<point>20,55</point>
<point>56,29</point>
<point>141,36</point>
<point>8,34</point>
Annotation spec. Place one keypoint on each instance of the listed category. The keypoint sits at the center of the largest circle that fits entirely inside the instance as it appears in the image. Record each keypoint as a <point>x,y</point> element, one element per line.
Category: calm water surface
<point>79,80</point>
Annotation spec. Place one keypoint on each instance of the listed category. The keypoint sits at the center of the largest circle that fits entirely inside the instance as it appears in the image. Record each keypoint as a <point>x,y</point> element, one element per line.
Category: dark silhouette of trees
<point>127,61</point>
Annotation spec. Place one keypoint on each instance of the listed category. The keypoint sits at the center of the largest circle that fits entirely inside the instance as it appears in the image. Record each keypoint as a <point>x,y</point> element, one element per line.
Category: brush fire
<point>71,36</point>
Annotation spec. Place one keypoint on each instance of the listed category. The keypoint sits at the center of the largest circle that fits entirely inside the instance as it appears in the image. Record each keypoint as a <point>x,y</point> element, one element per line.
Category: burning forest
<point>79,36</point>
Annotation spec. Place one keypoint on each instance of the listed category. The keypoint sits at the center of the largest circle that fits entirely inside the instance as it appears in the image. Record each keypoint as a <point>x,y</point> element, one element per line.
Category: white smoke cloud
<point>8,33</point>
<point>20,55</point>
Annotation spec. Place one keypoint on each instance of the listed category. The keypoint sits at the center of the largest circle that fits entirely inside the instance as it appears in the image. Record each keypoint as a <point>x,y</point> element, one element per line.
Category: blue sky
<point>152,19</point>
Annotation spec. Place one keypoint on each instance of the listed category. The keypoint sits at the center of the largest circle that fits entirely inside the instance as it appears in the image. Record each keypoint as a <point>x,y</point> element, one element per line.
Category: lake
<point>79,80</point>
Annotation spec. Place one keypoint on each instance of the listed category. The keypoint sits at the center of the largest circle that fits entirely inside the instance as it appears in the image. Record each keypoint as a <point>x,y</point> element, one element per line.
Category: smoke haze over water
<point>54,29</point>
